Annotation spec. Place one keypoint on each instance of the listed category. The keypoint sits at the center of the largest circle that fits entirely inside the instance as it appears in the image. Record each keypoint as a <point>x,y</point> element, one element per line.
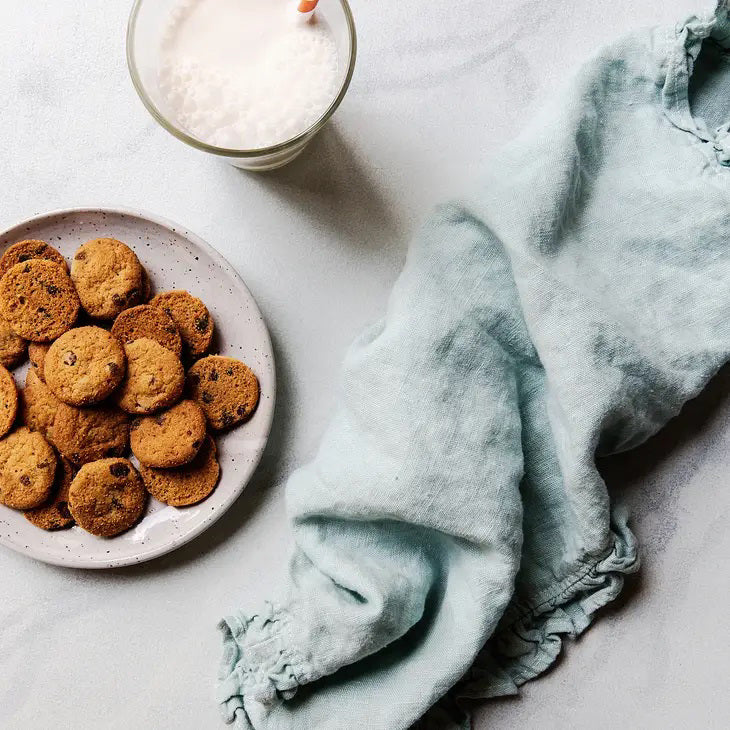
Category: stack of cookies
<point>107,373</point>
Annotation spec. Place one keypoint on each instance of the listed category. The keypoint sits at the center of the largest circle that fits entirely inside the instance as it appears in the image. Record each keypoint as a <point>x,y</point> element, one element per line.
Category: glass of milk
<point>250,81</point>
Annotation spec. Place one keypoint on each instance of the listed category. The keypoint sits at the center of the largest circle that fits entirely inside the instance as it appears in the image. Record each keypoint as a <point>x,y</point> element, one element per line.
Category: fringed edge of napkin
<point>529,639</point>
<point>259,663</point>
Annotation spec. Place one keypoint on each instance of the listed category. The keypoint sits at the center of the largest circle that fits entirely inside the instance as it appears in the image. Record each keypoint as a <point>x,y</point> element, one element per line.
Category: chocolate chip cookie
<point>185,485</point>
<point>148,321</point>
<point>107,497</point>
<point>225,388</point>
<point>12,346</point>
<point>37,356</point>
<point>84,365</point>
<point>39,300</point>
<point>55,514</point>
<point>191,317</point>
<point>170,438</point>
<point>8,401</point>
<point>27,469</point>
<point>87,434</point>
<point>38,405</point>
<point>27,250</point>
<point>108,277</point>
<point>155,377</point>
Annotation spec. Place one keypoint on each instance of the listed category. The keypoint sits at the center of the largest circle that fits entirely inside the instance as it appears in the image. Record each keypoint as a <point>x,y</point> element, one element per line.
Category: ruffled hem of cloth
<point>259,663</point>
<point>529,639</point>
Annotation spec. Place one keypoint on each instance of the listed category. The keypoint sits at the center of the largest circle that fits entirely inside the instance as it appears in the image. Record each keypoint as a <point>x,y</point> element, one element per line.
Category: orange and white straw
<point>306,8</point>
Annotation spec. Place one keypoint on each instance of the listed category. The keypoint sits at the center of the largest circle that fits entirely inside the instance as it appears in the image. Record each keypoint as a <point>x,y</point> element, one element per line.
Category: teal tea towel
<point>453,528</point>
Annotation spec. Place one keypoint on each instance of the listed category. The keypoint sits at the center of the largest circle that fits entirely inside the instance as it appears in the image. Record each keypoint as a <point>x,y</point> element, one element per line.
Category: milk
<point>246,74</point>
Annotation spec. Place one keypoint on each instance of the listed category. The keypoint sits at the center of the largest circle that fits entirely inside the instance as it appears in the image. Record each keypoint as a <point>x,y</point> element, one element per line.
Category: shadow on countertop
<point>330,187</point>
<point>622,470</point>
<point>635,477</point>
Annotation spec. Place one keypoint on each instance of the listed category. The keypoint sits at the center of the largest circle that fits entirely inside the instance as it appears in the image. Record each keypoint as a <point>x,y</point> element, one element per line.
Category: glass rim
<point>183,136</point>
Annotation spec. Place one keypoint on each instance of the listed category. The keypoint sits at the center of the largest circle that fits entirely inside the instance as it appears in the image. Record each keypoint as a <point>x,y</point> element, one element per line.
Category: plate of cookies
<point>137,387</point>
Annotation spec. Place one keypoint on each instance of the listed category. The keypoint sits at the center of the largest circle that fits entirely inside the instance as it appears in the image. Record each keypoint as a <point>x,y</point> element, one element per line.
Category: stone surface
<point>438,86</point>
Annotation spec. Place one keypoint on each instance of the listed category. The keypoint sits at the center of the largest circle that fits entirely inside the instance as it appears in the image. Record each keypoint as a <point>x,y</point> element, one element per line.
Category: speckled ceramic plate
<point>175,259</point>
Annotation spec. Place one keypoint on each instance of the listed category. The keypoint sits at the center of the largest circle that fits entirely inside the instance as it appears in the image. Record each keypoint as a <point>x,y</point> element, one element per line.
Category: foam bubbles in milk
<point>245,74</point>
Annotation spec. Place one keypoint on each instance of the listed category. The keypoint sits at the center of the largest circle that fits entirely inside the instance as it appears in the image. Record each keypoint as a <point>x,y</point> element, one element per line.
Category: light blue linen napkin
<point>453,528</point>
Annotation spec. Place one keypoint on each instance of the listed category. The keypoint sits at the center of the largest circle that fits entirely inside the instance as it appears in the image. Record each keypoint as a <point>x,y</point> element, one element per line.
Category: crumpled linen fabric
<point>453,528</point>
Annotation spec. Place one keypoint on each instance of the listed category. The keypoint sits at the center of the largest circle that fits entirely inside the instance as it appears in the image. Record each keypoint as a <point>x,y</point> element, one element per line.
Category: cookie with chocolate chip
<point>108,277</point>
<point>38,299</point>
<point>27,250</point>
<point>155,378</point>
<point>147,321</point>
<point>8,401</point>
<point>107,497</point>
<point>55,515</point>
<point>27,469</point>
<point>191,317</point>
<point>84,365</point>
<point>185,485</point>
<point>87,434</point>
<point>170,438</point>
<point>225,388</point>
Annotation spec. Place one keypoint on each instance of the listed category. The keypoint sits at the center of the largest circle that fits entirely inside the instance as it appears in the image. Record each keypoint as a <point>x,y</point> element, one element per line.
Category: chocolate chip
<point>241,410</point>
<point>26,269</point>
<point>41,249</point>
<point>169,311</point>
<point>69,358</point>
<point>229,371</point>
<point>119,470</point>
<point>227,418</point>
<point>207,397</point>
<point>25,480</point>
<point>44,312</point>
<point>80,256</point>
<point>201,323</point>
<point>21,299</point>
<point>116,503</point>
<point>44,465</point>
<point>113,368</point>
<point>213,375</point>
<point>52,289</point>
<point>24,257</point>
<point>117,299</point>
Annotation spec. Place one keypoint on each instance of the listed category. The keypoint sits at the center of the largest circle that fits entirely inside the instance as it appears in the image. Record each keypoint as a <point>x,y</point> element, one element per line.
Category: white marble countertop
<point>438,86</point>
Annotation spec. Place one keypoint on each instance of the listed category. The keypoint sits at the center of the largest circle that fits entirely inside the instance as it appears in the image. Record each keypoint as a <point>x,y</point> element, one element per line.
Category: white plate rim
<point>267,415</point>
